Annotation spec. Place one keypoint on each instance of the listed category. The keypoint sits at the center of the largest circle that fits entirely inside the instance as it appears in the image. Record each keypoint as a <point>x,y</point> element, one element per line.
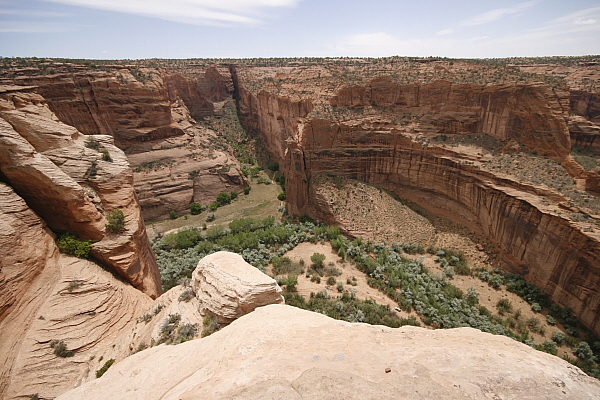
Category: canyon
<point>494,148</point>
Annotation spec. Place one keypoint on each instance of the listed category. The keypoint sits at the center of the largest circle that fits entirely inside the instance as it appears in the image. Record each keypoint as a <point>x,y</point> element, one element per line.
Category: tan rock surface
<point>229,287</point>
<point>281,352</point>
<point>72,187</point>
<point>49,296</point>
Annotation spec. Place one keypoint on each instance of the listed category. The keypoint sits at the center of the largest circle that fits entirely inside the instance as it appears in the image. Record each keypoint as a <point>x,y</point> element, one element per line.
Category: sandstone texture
<point>228,287</point>
<point>72,187</point>
<point>391,134</point>
<point>151,114</point>
<point>49,296</point>
<point>280,352</point>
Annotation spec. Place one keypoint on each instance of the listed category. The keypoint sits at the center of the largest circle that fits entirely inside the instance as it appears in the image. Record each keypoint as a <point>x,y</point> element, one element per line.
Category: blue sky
<point>111,29</point>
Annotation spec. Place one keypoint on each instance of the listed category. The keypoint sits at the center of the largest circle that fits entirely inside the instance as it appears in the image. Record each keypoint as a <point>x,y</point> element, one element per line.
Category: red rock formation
<point>549,250</point>
<point>530,114</point>
<point>147,111</point>
<point>72,186</point>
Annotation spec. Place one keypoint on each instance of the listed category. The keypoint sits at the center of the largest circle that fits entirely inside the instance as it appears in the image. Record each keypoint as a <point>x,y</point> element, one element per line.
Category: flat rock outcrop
<point>281,352</point>
<point>228,287</point>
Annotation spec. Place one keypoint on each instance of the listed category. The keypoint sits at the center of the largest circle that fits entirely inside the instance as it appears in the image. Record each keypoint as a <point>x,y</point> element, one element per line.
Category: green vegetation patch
<point>71,245</point>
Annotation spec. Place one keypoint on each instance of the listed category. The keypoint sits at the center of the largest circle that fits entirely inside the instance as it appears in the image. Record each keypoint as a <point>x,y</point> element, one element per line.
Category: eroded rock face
<point>72,187</point>
<point>228,287</point>
<point>49,296</point>
<point>378,134</point>
<point>530,114</point>
<point>150,113</point>
<point>280,351</point>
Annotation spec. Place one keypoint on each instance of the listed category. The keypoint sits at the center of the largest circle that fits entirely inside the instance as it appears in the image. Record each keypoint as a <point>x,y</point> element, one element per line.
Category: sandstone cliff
<point>150,113</point>
<point>381,133</point>
<point>49,296</point>
<point>72,186</point>
<point>283,352</point>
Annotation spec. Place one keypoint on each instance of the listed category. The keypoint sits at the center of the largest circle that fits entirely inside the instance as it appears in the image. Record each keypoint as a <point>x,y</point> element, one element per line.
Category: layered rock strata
<point>73,187</point>
<point>258,356</point>
<point>369,141</point>
<point>150,113</point>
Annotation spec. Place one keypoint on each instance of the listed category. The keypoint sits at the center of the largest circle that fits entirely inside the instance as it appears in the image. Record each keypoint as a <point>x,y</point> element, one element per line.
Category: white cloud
<point>200,12</point>
<point>36,27</point>
<point>33,13</point>
<point>498,13</point>
<point>445,32</point>
<point>585,21</point>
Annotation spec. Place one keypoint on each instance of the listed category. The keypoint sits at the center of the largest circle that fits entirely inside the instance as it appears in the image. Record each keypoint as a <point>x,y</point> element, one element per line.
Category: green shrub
<point>504,306</point>
<point>223,198</point>
<point>187,295</point>
<point>281,196</point>
<point>92,143</point>
<point>105,367</point>
<point>60,349</point>
<point>210,325</point>
<point>536,307</point>
<point>317,260</point>
<point>233,195</point>
<point>71,245</point>
<point>247,190</point>
<point>340,287</point>
<point>550,319</point>
<point>210,217</point>
<point>549,347</point>
<point>105,155</point>
<point>116,221</point>
<point>172,214</point>
<point>74,285</point>
<point>584,351</point>
<point>273,166</point>
<point>196,208</point>
<point>213,206</point>
<point>559,337</point>
<point>283,265</point>
<point>315,278</point>
<point>182,240</point>
<point>331,281</point>
<point>215,232</point>
<point>92,170</point>
<point>290,283</point>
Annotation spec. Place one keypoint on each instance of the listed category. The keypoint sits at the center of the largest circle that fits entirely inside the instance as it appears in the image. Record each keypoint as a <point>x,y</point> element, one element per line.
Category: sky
<point>137,29</point>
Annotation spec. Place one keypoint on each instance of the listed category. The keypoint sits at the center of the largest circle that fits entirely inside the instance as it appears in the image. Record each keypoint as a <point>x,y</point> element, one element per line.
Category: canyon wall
<point>54,179</point>
<point>150,114</point>
<point>537,241</point>
<point>73,184</point>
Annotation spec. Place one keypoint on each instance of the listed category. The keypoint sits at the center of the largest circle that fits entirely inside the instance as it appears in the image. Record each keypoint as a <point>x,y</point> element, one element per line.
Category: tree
<point>223,198</point>
<point>195,208</point>
<point>116,221</point>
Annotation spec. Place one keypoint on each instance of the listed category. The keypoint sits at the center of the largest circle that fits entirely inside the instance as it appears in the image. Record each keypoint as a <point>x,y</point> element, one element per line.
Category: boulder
<point>229,287</point>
